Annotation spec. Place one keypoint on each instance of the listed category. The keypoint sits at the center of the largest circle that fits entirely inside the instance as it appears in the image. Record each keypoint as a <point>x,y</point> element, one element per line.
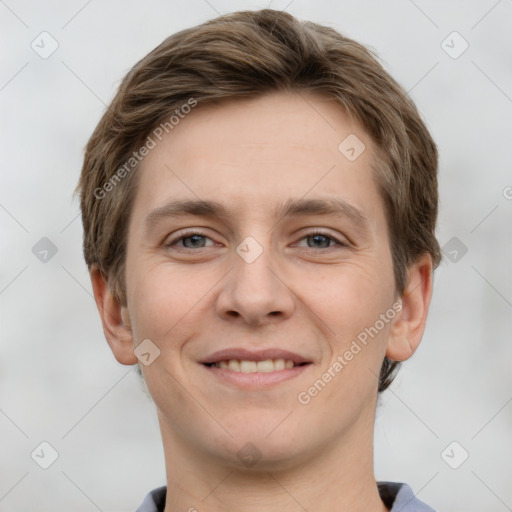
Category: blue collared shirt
<point>396,496</point>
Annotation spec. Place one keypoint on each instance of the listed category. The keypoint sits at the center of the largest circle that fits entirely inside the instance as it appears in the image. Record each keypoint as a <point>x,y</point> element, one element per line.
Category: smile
<point>251,370</point>
<point>250,379</point>
<point>246,366</point>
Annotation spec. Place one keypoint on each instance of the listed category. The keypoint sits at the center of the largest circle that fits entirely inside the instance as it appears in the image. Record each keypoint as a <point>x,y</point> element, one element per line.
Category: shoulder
<point>154,501</point>
<point>399,497</point>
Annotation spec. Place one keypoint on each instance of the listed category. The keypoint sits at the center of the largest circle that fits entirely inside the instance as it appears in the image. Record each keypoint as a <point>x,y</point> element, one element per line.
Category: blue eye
<point>314,240</point>
<point>322,240</point>
<point>191,240</point>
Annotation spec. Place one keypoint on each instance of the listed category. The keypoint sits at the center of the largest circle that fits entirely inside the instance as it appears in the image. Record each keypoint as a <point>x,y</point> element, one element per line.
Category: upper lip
<point>253,355</point>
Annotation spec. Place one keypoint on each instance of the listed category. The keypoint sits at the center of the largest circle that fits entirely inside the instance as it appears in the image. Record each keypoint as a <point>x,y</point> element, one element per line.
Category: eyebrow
<point>290,208</point>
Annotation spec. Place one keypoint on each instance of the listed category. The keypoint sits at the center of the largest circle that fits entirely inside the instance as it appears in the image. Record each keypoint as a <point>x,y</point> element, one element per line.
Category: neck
<point>338,477</point>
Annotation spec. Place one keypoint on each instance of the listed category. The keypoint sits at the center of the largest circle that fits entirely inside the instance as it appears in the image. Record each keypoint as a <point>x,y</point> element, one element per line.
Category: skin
<point>311,296</point>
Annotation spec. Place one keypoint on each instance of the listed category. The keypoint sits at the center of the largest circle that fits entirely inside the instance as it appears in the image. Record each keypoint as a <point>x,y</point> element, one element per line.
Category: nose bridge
<point>253,263</point>
<point>254,289</point>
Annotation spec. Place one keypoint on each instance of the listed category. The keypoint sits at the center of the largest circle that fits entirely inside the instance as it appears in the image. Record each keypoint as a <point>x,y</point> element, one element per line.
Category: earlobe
<point>115,319</point>
<point>408,327</point>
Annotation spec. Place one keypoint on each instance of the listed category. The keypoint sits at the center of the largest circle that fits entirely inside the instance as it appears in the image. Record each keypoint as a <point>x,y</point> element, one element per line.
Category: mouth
<point>248,366</point>
<point>255,369</point>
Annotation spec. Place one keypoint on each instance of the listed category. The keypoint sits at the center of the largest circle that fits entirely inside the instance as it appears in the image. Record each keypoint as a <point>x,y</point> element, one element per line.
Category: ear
<point>115,319</point>
<point>409,325</point>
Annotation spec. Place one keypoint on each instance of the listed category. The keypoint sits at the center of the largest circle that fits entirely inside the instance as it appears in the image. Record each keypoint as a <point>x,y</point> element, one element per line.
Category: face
<point>257,256</point>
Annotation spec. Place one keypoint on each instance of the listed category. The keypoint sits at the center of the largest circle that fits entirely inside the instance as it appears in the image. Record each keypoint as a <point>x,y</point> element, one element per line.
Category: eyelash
<point>188,234</point>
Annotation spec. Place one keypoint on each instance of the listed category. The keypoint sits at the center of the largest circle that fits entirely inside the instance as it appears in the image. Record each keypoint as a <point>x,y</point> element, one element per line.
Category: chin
<point>263,445</point>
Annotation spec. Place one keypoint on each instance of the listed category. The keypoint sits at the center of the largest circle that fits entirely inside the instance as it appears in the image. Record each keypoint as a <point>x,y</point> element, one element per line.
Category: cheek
<point>164,301</point>
<point>355,303</point>
<point>348,297</point>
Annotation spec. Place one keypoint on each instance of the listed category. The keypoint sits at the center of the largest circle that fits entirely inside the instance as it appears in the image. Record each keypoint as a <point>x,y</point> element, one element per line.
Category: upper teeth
<point>267,366</point>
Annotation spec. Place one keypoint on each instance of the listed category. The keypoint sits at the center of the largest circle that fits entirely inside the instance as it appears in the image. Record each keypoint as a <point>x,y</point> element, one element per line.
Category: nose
<point>257,292</point>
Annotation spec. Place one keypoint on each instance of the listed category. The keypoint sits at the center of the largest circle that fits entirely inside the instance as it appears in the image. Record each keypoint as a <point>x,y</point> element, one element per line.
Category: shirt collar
<point>398,497</point>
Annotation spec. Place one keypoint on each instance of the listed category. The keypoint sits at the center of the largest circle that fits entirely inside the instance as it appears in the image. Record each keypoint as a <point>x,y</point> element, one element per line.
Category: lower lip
<point>256,379</point>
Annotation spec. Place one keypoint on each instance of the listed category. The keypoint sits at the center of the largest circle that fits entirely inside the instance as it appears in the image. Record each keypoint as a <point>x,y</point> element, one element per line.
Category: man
<point>259,206</point>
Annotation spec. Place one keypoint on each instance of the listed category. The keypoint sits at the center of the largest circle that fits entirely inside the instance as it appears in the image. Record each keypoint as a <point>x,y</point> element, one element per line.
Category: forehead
<point>255,153</point>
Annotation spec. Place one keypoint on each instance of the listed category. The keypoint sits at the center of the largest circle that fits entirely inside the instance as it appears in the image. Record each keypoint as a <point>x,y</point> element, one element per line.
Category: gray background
<point>59,382</point>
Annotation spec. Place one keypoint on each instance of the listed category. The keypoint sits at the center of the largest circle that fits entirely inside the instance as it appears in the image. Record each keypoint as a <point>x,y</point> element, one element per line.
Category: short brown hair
<point>247,54</point>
